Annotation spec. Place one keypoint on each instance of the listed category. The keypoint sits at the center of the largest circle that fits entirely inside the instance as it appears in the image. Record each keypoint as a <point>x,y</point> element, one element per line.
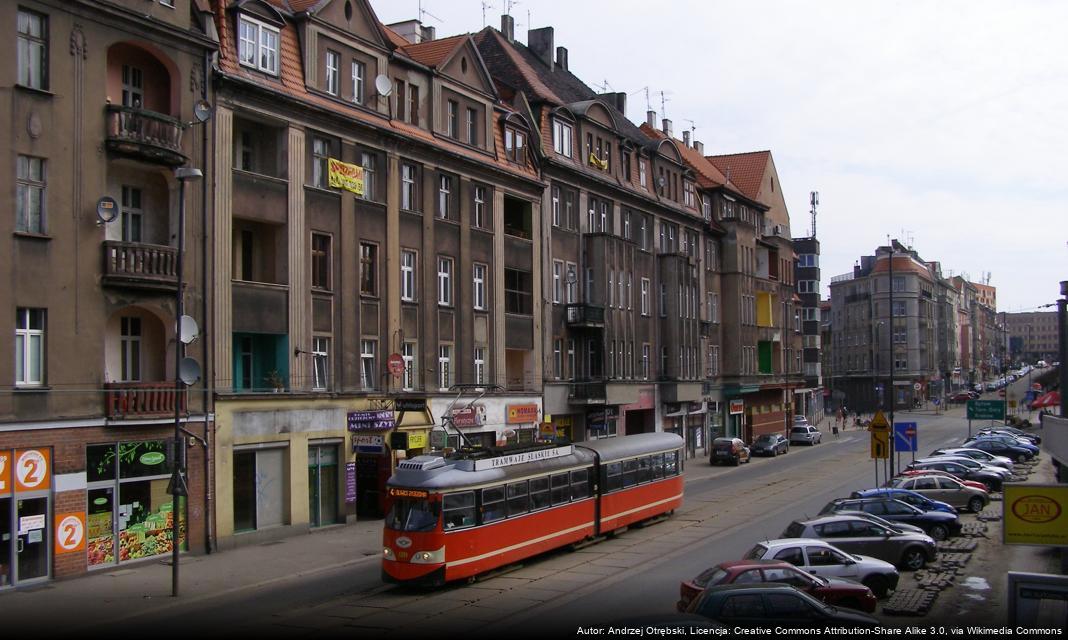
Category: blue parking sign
<point>906,436</point>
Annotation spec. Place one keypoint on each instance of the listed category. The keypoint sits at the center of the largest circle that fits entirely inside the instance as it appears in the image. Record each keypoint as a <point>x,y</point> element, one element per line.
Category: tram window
<point>671,463</point>
<point>645,469</point>
<point>493,504</point>
<point>539,493</point>
<point>630,472</point>
<point>517,498</point>
<point>658,466</point>
<point>613,476</point>
<point>412,515</point>
<point>580,484</point>
<point>560,490</point>
<point>459,510</point>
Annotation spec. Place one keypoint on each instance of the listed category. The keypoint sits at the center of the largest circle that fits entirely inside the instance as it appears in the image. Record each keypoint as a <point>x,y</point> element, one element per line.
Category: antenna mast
<point>485,5</point>
<point>814,200</point>
<point>663,103</point>
<point>424,12</point>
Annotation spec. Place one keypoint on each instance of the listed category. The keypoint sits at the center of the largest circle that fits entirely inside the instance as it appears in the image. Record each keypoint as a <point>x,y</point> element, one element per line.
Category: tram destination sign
<point>520,458</point>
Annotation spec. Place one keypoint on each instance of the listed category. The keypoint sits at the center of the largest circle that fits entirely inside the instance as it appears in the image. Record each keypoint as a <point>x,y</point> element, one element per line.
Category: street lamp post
<point>1062,343</point>
<point>178,486</point>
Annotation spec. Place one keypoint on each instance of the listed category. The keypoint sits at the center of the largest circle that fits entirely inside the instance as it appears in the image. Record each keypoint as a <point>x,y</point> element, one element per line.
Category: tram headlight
<point>429,557</point>
<point>387,554</point>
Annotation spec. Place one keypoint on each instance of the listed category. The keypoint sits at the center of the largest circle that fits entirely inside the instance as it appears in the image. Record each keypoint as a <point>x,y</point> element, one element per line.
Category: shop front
<point>492,421</point>
<point>735,418</point>
<point>25,509</point>
<point>557,428</point>
<point>687,419</point>
<point>640,416</point>
<point>371,437</point>
<point>602,423</point>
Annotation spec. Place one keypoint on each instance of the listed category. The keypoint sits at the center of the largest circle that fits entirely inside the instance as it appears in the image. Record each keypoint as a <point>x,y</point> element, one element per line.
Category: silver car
<point>978,455</point>
<point>856,535</point>
<point>805,434</point>
<point>946,489</point>
<point>822,558</point>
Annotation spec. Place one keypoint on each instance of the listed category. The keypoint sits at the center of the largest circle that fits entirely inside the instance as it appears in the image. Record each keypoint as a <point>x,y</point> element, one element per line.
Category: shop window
<point>322,485</point>
<point>259,482</point>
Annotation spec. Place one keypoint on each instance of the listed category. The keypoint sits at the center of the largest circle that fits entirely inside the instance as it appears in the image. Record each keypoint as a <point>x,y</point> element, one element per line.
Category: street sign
<point>986,409</point>
<point>879,422</point>
<point>905,436</point>
<point>880,444</point>
<point>395,363</point>
<point>1035,514</point>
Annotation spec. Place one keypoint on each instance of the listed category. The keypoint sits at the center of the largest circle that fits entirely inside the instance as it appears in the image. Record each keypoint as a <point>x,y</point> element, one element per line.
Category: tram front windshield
<point>412,515</point>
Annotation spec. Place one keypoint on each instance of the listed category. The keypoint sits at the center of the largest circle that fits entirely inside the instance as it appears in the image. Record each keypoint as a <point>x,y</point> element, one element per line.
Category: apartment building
<point>100,98</point>
<point>810,398</point>
<point>1032,335</point>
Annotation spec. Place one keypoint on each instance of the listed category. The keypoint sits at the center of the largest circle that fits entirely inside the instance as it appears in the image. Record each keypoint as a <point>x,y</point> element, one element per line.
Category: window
<point>407,275</point>
<point>130,347</point>
<point>643,179</point>
<point>643,232</point>
<point>562,138</point>
<point>626,164</point>
<point>133,87</point>
<point>30,178</point>
<point>320,261</point>
<point>569,210</point>
<point>368,269</point>
<point>808,260</point>
<point>517,498</point>
<point>401,102</point>
<point>645,296</point>
<point>408,187</point>
<point>458,510</point>
<point>472,127</point>
<point>713,307</point>
<point>571,358</point>
<point>368,371</point>
<point>413,104</point>
<point>408,357</point>
<point>333,77</point>
<point>359,72</point>
<point>571,279</point>
<point>558,358</point>
<point>514,145</point>
<point>556,206</point>
<point>899,283</point>
<point>132,219</point>
<point>899,307</point>
<point>480,207</point>
<point>444,363</point>
<point>258,45</point>
<point>626,225</point>
<point>444,192</point>
<point>444,280</point>
<point>32,50</point>
<point>453,121</point>
<point>367,161</point>
<point>478,278</point>
<point>808,286</point>
<point>480,365</point>
<point>687,193</point>
<point>518,292</point>
<point>645,362</point>
<point>321,360</point>
<point>320,155</point>
<point>663,300</point>
<point>558,275</point>
<point>713,360</point>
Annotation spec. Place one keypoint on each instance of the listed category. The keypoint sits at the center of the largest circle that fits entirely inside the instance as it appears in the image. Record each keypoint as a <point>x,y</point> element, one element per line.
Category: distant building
<point>1032,336</point>
<point>808,292</point>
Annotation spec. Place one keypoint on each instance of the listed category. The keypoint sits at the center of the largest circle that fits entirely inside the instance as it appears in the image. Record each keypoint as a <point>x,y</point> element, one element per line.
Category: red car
<point>833,591</point>
<point>936,472</point>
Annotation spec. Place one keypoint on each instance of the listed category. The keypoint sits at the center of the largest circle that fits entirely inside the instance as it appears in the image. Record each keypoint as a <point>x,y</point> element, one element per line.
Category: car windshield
<point>715,575</point>
<point>800,430</point>
<point>756,553</point>
<point>765,438</point>
<point>412,515</point>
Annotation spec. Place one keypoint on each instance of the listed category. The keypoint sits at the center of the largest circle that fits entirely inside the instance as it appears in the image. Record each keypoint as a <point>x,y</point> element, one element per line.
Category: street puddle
<point>975,583</point>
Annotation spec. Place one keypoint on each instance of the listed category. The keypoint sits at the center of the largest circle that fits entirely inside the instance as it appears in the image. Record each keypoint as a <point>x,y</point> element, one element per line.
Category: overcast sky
<point>943,124</point>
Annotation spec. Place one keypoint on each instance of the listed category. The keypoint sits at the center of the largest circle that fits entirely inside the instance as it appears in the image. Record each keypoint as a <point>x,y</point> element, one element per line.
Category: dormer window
<point>257,45</point>
<point>514,145</point>
<point>688,196</point>
<point>472,127</point>
<point>643,179</point>
<point>562,133</point>
<point>333,77</point>
<point>359,72</point>
<point>453,119</point>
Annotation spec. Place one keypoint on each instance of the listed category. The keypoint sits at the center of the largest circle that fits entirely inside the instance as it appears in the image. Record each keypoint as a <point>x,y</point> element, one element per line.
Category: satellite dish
<point>189,371</point>
<point>188,331</point>
<point>107,209</point>
<point>202,110</point>
<point>383,85</point>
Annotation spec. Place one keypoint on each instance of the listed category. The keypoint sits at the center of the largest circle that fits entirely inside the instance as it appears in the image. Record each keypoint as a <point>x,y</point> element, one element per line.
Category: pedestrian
<point>834,430</point>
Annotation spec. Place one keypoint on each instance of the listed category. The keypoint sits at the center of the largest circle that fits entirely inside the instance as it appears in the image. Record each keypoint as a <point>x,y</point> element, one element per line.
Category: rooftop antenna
<point>604,86</point>
<point>424,12</point>
<point>508,4</point>
<point>485,5</point>
<point>693,128</point>
<point>814,200</point>
<point>663,102</point>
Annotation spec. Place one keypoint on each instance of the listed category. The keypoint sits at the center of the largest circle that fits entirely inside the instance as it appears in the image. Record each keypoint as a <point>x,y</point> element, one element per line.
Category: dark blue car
<point>1004,446</point>
<point>917,500</point>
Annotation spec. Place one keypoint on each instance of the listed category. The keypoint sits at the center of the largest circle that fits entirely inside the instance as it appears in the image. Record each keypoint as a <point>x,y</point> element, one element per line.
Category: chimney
<point>429,33</point>
<point>699,147</point>
<point>667,127</point>
<point>540,43</point>
<point>650,118</point>
<point>617,100</point>
<point>686,137</point>
<point>561,58</point>
<point>508,28</point>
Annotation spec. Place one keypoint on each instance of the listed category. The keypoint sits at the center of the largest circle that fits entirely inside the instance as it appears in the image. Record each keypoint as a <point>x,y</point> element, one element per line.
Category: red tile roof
<point>902,264</point>
<point>746,170</point>
<point>433,52</point>
<point>394,37</point>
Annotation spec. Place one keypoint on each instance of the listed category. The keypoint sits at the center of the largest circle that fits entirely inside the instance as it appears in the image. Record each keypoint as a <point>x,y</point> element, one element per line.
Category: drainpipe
<point>209,430</point>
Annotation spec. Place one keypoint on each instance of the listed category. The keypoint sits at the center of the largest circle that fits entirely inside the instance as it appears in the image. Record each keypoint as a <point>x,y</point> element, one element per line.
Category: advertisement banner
<point>350,483</point>
<point>473,416</point>
<point>32,469</point>
<point>737,407</point>
<point>370,420</point>
<point>343,175</point>
<point>1036,514</point>
<point>417,440</point>
<point>70,532</point>
<point>5,473</point>
<point>522,413</point>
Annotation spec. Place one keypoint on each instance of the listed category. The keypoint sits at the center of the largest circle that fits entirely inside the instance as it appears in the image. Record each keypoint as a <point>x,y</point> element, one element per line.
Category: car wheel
<point>774,452</point>
<point>913,559</point>
<point>976,504</point>
<point>939,532</point>
<point>1022,458</point>
<point>736,461</point>
<point>878,584</point>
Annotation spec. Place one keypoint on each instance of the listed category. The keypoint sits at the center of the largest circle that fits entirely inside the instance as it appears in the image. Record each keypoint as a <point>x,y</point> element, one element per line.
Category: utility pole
<point>1062,342</point>
<point>893,358</point>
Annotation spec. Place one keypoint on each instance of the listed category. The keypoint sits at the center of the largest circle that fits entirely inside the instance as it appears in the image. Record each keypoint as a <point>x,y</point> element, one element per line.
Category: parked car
<point>729,451</point>
<point>960,396</point>
<point>821,558</point>
<point>974,465</point>
<point>1005,439</point>
<point>858,535</point>
<point>992,480</point>
<point>770,444</point>
<point>917,500</point>
<point>903,527</point>
<point>748,605</point>
<point>1033,438</point>
<point>836,591</point>
<point>1011,450</point>
<point>800,420</point>
<point>937,524</point>
<point>978,455</point>
<point>933,472</point>
<point>805,434</point>
<point>946,489</point>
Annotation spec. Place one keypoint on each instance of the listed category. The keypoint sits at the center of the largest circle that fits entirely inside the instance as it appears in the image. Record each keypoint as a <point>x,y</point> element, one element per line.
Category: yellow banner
<point>343,175</point>
<point>1035,514</point>
<point>416,439</point>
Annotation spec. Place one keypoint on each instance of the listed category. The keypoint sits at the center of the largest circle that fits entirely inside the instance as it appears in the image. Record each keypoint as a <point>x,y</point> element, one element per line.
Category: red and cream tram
<point>458,517</point>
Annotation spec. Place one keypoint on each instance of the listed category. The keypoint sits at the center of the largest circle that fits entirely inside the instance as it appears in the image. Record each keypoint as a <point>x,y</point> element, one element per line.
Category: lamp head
<point>188,173</point>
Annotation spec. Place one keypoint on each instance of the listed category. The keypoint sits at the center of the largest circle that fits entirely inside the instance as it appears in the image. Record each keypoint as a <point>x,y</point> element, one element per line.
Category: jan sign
<point>1036,514</point>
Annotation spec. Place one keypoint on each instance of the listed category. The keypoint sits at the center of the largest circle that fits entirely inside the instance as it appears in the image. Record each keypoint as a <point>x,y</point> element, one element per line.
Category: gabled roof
<point>433,52</point>
<point>394,37</point>
<point>708,176</point>
<point>746,170</point>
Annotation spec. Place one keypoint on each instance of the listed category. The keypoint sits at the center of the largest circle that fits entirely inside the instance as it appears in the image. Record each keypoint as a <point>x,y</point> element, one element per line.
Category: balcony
<point>706,329</point>
<point>137,265</point>
<point>125,400</point>
<point>585,315</point>
<point>145,135</point>
<point>588,392</point>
